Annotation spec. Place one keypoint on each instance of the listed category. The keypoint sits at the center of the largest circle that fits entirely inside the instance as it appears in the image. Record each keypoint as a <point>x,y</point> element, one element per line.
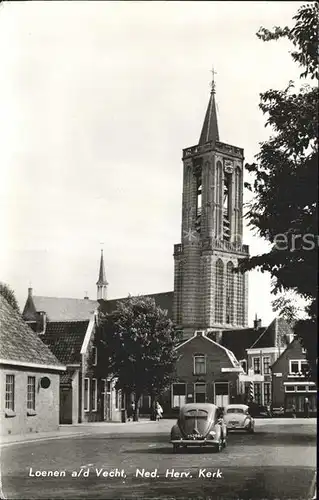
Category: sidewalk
<point>143,426</point>
<point>74,430</point>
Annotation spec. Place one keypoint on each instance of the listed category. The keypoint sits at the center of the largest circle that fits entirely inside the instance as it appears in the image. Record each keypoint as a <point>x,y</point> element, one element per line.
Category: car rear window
<point>196,413</point>
<point>235,410</point>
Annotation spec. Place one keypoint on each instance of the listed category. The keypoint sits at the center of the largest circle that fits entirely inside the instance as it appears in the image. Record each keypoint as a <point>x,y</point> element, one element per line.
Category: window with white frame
<point>266,365</point>
<point>178,395</point>
<point>298,366</point>
<point>94,356</point>
<point>256,365</point>
<point>94,394</point>
<point>199,364</point>
<point>267,393</point>
<point>257,392</point>
<point>289,388</point>
<point>86,394</point>
<point>10,392</point>
<point>31,393</point>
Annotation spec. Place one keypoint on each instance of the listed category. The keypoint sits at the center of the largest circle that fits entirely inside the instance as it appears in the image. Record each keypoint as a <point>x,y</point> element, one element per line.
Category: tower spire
<point>101,282</point>
<point>210,125</point>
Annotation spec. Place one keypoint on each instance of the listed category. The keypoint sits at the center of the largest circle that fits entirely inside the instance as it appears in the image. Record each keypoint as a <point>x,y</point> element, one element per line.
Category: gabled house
<point>290,385</point>
<point>256,349</point>
<point>263,353</point>
<point>68,327</point>
<point>205,372</point>
<point>29,378</point>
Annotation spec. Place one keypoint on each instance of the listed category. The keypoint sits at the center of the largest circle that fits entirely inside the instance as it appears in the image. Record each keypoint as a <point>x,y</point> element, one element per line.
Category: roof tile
<point>19,343</point>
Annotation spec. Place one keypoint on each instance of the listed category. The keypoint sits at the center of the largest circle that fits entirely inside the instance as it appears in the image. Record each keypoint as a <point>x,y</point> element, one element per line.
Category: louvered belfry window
<point>219,290</point>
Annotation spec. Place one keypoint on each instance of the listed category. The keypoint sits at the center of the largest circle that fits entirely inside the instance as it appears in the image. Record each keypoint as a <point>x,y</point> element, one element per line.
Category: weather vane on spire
<point>213,85</point>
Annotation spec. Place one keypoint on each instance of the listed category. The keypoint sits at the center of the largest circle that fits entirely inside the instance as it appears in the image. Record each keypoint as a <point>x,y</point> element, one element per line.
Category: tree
<point>140,340</point>
<point>285,178</point>
<point>8,294</point>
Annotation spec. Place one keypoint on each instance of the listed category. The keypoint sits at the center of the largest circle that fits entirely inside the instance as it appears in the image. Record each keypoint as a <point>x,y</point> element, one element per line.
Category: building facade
<point>29,378</point>
<point>207,294</point>
<point>206,372</point>
<point>290,384</point>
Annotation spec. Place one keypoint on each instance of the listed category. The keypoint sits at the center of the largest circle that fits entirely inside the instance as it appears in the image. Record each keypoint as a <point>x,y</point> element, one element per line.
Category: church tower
<point>101,282</point>
<point>207,294</point>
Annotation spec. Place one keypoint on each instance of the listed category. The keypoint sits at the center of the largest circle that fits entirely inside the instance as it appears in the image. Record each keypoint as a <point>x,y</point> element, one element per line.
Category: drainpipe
<point>82,387</point>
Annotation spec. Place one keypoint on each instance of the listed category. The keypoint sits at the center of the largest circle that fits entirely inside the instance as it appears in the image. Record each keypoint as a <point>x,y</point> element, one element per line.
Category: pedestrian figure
<point>158,411</point>
<point>306,407</point>
<point>293,411</point>
<point>131,411</point>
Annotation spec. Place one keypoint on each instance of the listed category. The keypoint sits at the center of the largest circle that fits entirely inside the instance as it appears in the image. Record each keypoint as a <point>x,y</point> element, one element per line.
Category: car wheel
<point>224,443</point>
<point>251,430</point>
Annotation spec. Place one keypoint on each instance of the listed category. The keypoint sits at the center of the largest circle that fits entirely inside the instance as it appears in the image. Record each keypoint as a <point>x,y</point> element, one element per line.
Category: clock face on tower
<point>228,166</point>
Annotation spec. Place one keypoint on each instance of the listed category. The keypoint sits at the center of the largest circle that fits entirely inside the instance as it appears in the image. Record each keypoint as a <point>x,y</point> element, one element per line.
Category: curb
<point>84,432</point>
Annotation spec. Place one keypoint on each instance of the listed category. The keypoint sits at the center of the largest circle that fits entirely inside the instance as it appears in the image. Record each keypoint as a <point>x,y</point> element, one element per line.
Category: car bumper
<point>195,442</point>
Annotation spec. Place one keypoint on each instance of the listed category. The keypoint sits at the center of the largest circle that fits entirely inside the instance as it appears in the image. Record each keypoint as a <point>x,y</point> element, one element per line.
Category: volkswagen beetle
<point>199,424</point>
<point>237,417</point>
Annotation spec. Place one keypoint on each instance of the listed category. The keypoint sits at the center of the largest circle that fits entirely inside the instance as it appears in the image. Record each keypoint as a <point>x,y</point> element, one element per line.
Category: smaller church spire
<point>101,282</point>
<point>210,125</point>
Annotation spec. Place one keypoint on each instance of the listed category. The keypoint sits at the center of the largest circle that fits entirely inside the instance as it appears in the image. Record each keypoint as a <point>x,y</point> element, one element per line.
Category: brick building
<point>290,385</point>
<point>205,372</point>
<point>207,294</point>
<point>257,349</point>
<point>29,378</point>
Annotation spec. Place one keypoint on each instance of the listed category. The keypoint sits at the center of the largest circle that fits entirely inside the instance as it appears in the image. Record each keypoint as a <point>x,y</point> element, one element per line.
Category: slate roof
<point>239,340</point>
<point>65,309</point>
<point>210,126</point>
<point>19,343</point>
<point>163,300</point>
<point>278,329</point>
<point>65,339</point>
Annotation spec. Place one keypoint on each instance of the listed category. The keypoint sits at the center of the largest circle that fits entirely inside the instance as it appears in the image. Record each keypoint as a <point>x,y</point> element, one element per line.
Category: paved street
<point>277,462</point>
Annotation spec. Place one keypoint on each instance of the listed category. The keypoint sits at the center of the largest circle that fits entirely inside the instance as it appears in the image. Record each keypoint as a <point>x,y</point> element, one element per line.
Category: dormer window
<point>199,364</point>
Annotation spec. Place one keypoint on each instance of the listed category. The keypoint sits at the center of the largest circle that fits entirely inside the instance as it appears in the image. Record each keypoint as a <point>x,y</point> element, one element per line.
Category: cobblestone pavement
<point>277,462</point>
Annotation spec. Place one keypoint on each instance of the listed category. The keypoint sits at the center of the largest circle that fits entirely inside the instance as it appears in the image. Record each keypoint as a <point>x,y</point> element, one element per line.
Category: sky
<point>97,101</point>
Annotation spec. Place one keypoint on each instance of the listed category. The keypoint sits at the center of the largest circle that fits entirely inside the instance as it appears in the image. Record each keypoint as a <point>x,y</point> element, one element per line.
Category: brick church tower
<point>207,294</point>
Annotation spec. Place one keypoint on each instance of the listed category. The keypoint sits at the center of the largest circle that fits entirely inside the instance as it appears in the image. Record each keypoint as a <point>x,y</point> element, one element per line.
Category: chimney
<point>86,296</point>
<point>30,292</point>
<point>257,323</point>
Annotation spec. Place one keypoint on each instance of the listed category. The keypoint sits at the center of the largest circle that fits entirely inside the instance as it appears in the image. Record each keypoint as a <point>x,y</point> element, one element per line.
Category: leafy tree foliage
<point>8,294</point>
<point>284,206</point>
<point>140,341</point>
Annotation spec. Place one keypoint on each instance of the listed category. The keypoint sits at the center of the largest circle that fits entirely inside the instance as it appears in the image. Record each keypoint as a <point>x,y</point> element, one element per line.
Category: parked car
<point>237,417</point>
<point>199,424</point>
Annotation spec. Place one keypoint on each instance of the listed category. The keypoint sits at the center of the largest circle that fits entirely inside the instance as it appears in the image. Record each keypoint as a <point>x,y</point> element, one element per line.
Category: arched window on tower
<point>226,206</point>
<point>219,291</point>
<point>199,189</point>
<point>219,198</point>
<point>230,293</point>
<point>240,299</point>
<point>238,237</point>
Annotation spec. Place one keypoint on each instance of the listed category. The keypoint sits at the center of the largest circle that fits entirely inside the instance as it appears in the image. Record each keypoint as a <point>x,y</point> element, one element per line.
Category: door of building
<point>221,394</point>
